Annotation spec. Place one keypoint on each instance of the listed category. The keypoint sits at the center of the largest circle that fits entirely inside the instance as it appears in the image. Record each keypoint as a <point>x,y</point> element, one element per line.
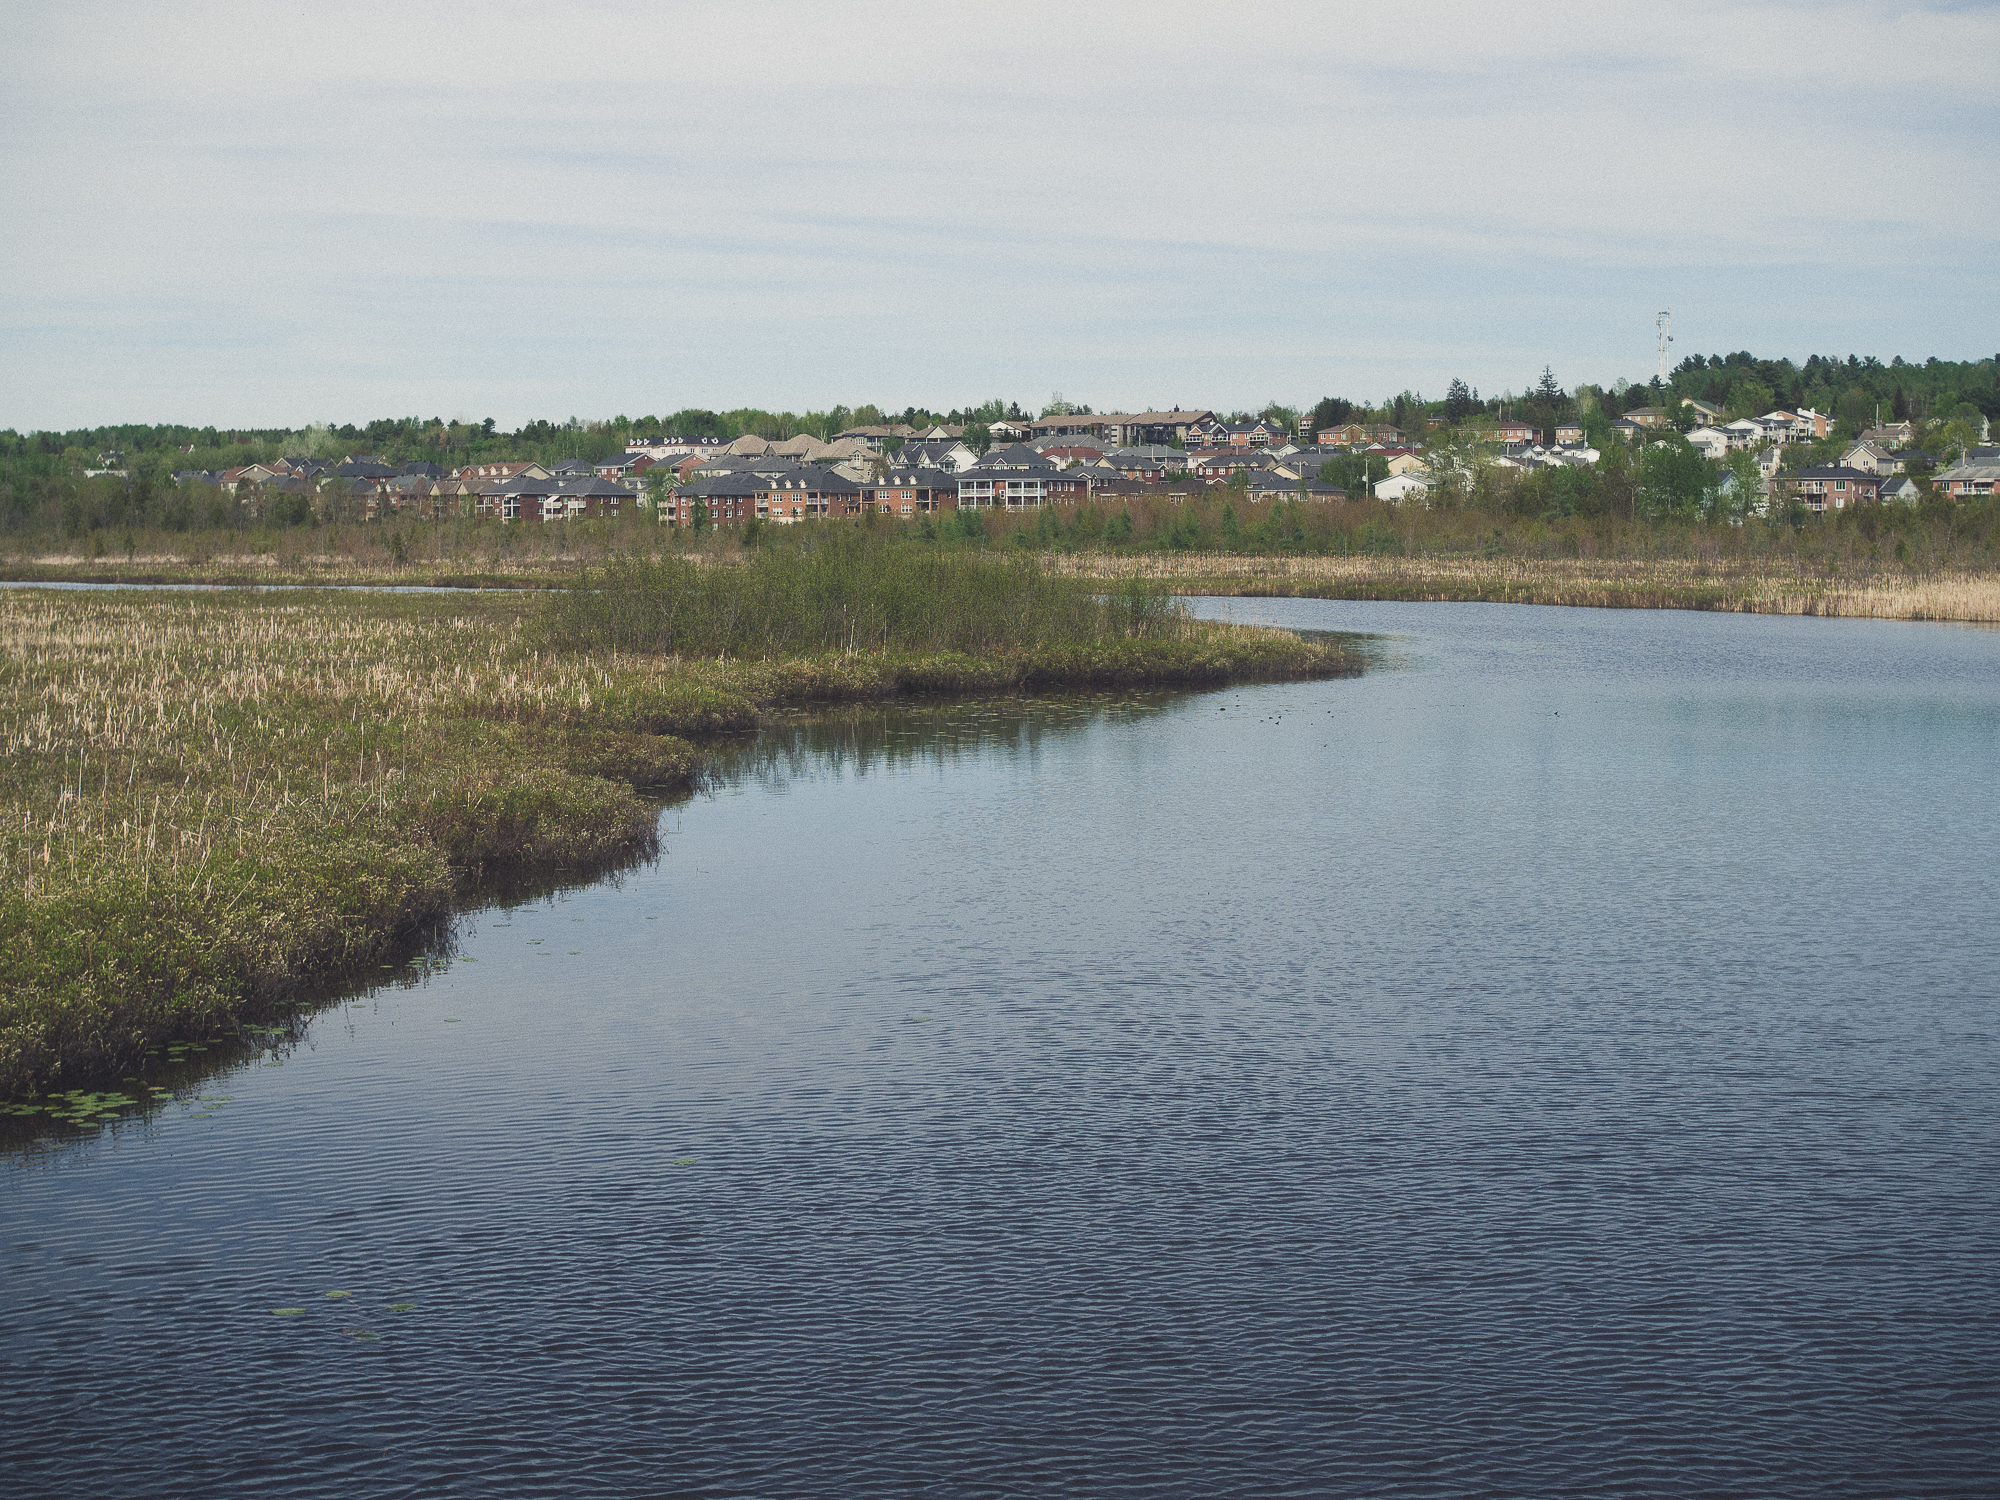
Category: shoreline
<point>147,921</point>
<point>1589,583</point>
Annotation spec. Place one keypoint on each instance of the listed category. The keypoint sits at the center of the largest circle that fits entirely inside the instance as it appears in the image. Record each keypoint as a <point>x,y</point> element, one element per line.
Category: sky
<point>249,214</point>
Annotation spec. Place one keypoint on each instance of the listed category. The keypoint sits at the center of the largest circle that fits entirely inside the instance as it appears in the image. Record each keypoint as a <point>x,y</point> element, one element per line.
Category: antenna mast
<point>1664,321</point>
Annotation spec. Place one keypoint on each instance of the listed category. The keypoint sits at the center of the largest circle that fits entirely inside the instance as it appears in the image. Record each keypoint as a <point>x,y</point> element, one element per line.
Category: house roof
<point>595,486</point>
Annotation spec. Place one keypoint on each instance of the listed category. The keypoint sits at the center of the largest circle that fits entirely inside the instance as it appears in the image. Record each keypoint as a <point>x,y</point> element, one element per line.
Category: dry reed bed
<point>1656,583</point>
<point>211,801</point>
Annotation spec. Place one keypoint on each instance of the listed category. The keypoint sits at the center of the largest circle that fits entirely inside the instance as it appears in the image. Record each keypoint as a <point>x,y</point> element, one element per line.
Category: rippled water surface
<point>1561,1062</point>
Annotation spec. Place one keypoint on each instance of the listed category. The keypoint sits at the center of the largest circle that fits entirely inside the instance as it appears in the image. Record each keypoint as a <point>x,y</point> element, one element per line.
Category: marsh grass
<point>841,590</point>
<point>1652,583</point>
<point>212,805</point>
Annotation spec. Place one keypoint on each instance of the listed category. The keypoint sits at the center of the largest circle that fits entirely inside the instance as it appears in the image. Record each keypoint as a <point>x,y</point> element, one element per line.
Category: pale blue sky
<point>263,214</point>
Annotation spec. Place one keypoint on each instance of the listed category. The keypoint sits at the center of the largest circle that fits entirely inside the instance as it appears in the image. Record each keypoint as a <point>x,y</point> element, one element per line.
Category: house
<point>1212,464</point>
<point>1127,428</point>
<point>1801,426</point>
<point>1272,486</point>
<point>1713,441</point>
<point>1407,461</point>
<point>1067,452</point>
<point>1893,436</point>
<point>626,465</point>
<point>1402,486</point>
<point>1019,486</point>
<point>938,453</point>
<point>912,492</point>
<point>811,492</point>
<point>1008,429</point>
<point>1647,416</point>
<point>1900,489</point>
<point>1745,432</point>
<point>1067,424</point>
<point>730,498</point>
<point>1705,414</point>
<point>658,448</point>
<point>1358,434</point>
<point>876,436</point>
<point>1568,433</point>
<point>1969,476</point>
<point>1508,430</point>
<point>1627,429</point>
<point>1143,460</point>
<point>1872,458</point>
<point>591,498</point>
<point>1251,434</point>
<point>519,498</point>
<point>501,471</point>
<point>1836,488</point>
<point>1133,429</point>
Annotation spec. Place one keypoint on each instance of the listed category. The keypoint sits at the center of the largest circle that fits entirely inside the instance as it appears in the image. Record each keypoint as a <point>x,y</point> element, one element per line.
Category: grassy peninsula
<point>215,803</point>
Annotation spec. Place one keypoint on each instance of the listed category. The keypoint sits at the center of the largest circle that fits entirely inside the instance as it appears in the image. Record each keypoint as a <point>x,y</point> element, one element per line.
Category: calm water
<point>1561,1062</point>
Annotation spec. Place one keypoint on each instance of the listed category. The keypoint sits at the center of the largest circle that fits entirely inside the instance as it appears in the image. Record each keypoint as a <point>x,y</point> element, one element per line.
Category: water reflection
<point>866,739</point>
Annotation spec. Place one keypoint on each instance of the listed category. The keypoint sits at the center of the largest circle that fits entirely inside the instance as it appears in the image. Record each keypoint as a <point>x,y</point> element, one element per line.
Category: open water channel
<point>1560,1062</point>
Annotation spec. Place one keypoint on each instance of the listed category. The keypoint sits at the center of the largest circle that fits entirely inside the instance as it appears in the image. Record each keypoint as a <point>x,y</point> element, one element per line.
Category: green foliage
<point>841,590</point>
<point>1675,479</point>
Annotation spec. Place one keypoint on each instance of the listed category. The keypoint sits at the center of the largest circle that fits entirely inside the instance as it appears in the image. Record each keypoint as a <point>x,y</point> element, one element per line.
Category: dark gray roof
<point>814,477</point>
<point>738,483</point>
<point>595,486</point>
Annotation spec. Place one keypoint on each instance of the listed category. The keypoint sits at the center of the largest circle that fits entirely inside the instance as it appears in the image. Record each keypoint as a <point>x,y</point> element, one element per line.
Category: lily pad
<point>286,1312</point>
<point>402,1307</point>
<point>335,1296</point>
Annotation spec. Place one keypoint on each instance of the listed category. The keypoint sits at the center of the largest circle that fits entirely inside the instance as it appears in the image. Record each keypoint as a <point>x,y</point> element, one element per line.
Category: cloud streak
<point>246,213</point>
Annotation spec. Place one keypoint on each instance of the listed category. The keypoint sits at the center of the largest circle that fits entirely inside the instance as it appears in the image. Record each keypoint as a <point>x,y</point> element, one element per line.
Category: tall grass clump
<point>843,591</point>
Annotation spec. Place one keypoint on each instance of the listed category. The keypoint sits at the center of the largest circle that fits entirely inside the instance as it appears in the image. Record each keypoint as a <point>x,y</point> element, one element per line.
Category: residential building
<point>912,492</point>
<point>1705,414</point>
<point>938,453</point>
<point>670,447</point>
<point>528,470</point>
<point>1569,432</point>
<point>1272,485</point>
<point>731,498</point>
<point>811,492</point>
<point>1969,476</point>
<point>1836,488</point>
<point>1358,434</point>
<point>1713,441</point>
<point>1398,487</point>
<point>1892,436</point>
<point>1019,486</point>
<point>876,436</point>
<point>592,498</point>
<point>1510,430</point>
<point>1125,429</point>
<point>1871,457</point>
<point>518,498</point>
<point>1647,416</point>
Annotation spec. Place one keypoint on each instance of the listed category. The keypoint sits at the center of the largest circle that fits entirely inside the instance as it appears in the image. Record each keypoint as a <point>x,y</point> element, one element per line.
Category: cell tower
<point>1665,321</point>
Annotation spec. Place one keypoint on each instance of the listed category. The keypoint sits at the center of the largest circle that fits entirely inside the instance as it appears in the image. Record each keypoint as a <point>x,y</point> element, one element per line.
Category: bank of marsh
<point>213,802</point>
